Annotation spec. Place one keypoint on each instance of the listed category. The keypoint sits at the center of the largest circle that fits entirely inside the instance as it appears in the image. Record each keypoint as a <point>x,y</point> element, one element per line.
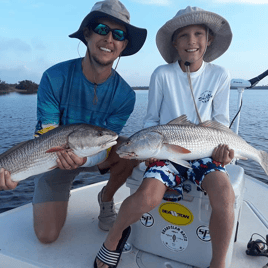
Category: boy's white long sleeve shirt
<point>170,95</point>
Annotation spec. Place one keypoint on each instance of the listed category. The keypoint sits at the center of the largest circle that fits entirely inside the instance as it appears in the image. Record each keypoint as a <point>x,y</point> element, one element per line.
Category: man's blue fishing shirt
<point>65,97</point>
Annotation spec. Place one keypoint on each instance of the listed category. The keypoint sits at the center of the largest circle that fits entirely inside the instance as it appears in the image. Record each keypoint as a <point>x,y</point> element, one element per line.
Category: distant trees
<point>27,85</point>
<point>3,85</point>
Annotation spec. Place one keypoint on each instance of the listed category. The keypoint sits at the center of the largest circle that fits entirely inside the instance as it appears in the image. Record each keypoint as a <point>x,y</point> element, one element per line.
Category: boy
<point>189,85</point>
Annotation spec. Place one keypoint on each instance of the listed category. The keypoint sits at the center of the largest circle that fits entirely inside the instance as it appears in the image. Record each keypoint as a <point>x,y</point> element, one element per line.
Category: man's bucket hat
<point>116,11</point>
<point>191,16</point>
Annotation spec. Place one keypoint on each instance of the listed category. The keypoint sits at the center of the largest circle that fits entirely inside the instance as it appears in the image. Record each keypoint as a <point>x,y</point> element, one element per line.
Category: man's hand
<point>223,154</point>
<point>67,160</point>
<point>5,180</point>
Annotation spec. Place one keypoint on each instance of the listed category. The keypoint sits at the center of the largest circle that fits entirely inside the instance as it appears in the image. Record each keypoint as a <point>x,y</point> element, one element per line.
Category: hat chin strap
<point>118,61</point>
<point>187,66</point>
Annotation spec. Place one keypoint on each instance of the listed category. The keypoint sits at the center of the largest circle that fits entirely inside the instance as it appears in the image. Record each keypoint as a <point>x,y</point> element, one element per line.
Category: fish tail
<point>264,160</point>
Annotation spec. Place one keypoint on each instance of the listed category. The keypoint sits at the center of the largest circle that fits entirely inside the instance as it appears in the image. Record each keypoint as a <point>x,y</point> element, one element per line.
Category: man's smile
<point>105,49</point>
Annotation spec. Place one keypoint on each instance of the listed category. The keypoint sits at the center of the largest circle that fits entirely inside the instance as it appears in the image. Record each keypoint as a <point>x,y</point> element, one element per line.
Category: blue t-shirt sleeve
<point>117,120</point>
<point>48,112</point>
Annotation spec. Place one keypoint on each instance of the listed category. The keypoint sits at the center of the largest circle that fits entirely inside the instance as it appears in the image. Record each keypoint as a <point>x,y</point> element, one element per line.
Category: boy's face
<point>191,42</point>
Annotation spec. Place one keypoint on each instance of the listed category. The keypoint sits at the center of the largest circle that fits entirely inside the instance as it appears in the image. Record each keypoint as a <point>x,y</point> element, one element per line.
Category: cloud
<point>252,2</point>
<point>38,44</point>
<point>19,73</point>
<point>12,72</point>
<point>31,3</point>
<point>14,45</point>
<point>154,2</point>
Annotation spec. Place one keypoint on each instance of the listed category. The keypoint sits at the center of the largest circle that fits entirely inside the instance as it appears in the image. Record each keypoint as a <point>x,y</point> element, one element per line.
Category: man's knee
<point>49,219</point>
<point>47,237</point>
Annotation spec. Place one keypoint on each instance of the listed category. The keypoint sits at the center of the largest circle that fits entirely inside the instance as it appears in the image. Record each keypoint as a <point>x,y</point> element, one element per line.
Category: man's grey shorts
<point>55,185</point>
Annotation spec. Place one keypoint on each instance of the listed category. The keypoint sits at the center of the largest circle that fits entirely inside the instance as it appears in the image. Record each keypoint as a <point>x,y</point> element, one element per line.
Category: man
<point>85,90</point>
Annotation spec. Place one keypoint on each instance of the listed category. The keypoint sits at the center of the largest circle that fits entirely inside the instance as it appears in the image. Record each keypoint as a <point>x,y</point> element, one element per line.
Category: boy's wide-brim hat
<point>192,16</point>
<point>115,10</point>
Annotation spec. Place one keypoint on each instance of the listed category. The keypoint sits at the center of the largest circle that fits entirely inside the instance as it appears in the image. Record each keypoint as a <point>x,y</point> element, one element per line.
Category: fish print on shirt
<point>205,96</point>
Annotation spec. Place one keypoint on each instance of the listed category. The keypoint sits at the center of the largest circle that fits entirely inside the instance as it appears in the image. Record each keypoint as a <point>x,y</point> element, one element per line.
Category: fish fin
<point>53,167</point>
<point>56,149</point>
<point>181,162</point>
<point>176,148</point>
<point>240,157</point>
<point>216,125</point>
<point>181,120</point>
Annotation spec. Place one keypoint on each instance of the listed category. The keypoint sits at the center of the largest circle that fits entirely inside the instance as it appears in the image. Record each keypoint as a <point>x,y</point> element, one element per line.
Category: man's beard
<point>99,62</point>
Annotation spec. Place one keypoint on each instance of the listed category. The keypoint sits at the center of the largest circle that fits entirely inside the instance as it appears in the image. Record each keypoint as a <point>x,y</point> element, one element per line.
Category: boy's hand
<point>223,154</point>
<point>68,160</point>
<point>5,181</point>
<point>150,161</point>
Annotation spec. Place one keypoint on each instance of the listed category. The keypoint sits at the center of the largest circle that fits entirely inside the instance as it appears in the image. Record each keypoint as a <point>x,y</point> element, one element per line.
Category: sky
<point>34,36</point>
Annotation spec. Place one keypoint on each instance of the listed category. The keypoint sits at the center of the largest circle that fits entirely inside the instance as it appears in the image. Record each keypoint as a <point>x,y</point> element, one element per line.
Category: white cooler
<point>180,230</point>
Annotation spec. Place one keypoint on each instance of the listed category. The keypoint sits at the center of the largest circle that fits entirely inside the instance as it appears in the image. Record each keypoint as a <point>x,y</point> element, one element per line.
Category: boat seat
<point>179,229</point>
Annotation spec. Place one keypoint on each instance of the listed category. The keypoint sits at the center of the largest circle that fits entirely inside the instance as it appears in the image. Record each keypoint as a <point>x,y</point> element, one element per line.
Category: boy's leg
<point>222,198</point>
<point>120,170</point>
<point>146,198</point>
<point>50,202</point>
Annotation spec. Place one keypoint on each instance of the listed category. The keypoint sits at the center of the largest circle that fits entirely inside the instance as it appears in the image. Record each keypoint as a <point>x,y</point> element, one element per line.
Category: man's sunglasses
<point>103,29</point>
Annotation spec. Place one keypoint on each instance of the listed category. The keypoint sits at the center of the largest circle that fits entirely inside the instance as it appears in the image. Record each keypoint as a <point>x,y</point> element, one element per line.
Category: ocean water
<point>18,119</point>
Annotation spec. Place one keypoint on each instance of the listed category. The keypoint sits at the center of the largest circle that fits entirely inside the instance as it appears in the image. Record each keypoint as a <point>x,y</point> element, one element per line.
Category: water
<point>18,118</point>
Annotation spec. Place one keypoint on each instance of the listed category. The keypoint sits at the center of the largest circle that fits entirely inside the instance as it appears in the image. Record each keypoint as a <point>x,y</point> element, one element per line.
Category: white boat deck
<point>81,238</point>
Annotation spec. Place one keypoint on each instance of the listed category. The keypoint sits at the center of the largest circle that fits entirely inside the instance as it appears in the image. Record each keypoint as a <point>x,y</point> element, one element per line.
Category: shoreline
<point>25,91</point>
<point>12,89</point>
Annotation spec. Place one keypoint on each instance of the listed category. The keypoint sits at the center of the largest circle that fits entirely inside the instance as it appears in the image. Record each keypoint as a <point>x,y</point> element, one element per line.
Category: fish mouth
<point>110,143</point>
<point>128,155</point>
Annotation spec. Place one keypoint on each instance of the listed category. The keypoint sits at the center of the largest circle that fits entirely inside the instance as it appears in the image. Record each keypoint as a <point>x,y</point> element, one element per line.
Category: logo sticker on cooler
<point>174,238</point>
<point>176,213</point>
<point>147,220</point>
<point>203,233</point>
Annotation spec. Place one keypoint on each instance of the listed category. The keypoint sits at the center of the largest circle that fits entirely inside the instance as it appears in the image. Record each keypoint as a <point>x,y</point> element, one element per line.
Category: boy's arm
<point>155,97</point>
<point>220,109</point>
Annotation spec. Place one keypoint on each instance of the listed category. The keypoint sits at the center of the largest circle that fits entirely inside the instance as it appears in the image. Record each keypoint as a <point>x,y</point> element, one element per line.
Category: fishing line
<point>236,113</point>
<point>254,81</point>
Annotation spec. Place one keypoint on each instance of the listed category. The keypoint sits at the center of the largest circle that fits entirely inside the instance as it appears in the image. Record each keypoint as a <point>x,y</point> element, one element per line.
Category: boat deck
<point>81,238</point>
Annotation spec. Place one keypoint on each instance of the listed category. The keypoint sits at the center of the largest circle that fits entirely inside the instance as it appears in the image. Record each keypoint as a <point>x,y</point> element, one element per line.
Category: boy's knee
<point>220,191</point>
<point>148,201</point>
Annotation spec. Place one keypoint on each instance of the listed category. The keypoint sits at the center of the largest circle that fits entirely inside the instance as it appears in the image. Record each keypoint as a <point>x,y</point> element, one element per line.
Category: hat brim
<point>219,26</point>
<point>136,36</point>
